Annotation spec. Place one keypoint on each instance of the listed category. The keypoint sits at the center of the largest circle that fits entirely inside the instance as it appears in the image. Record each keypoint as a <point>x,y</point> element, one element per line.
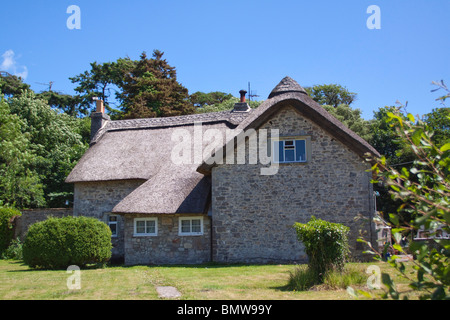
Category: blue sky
<point>223,45</point>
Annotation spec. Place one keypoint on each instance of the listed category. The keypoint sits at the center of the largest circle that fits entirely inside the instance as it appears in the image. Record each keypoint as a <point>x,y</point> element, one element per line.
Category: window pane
<point>185,226</point>
<point>196,226</point>
<point>151,227</point>
<point>140,226</point>
<point>113,227</point>
<point>300,152</point>
<point>288,143</point>
<point>280,151</point>
<point>289,156</point>
<point>112,218</point>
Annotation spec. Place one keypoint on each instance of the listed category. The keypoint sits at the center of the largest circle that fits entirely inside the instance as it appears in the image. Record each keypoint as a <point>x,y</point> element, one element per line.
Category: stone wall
<point>29,217</point>
<point>167,247</point>
<point>97,199</point>
<point>253,214</point>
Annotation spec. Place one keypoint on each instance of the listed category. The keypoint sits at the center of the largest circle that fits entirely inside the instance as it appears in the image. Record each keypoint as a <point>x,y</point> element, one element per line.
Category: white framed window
<point>289,150</point>
<point>145,227</point>
<point>113,224</point>
<point>190,226</point>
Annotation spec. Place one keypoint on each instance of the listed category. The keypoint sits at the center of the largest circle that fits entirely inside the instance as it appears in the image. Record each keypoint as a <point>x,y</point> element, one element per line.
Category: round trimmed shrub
<point>57,243</point>
<point>6,227</point>
<point>326,245</point>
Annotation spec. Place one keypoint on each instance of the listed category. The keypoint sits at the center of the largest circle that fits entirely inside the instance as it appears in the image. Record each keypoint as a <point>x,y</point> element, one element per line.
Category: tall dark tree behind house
<point>151,89</point>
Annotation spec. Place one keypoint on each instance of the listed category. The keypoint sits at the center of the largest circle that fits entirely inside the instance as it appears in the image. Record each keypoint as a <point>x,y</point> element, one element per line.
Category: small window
<point>145,226</point>
<point>289,150</point>
<point>190,226</point>
<point>113,224</point>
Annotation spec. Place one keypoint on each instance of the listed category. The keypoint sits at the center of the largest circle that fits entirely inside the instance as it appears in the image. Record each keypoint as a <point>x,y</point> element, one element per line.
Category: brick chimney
<point>98,118</point>
<point>241,106</point>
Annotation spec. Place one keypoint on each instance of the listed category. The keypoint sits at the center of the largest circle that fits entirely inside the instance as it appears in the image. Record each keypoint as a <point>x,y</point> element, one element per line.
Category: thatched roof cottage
<point>224,186</point>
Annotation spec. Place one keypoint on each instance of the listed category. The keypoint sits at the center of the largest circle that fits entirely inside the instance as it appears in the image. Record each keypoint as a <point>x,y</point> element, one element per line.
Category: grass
<point>204,282</point>
<point>303,279</point>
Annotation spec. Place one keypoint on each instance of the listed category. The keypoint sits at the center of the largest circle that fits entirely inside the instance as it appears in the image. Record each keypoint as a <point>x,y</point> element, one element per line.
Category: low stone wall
<point>31,216</point>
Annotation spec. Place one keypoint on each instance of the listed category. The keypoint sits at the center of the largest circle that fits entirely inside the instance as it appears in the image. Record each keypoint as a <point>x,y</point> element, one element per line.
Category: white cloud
<point>9,64</point>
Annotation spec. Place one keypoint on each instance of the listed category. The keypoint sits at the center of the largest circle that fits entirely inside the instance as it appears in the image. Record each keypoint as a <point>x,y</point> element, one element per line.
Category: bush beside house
<point>60,242</point>
<point>326,245</point>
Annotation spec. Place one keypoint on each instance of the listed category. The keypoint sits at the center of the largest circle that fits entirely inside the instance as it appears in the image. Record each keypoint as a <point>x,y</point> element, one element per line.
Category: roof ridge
<point>219,116</point>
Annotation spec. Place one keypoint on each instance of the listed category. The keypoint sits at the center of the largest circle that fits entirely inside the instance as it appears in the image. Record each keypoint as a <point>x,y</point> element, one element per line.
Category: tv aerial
<point>50,84</point>
<point>251,93</point>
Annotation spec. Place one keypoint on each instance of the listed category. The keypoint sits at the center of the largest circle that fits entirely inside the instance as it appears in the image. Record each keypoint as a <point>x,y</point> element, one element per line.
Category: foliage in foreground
<point>424,193</point>
<point>57,243</point>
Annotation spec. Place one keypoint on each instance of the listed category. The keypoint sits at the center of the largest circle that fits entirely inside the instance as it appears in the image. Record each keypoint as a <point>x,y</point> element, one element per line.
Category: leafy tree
<point>151,89</point>
<point>226,105</point>
<point>202,99</point>
<point>11,85</point>
<point>331,94</point>
<point>423,190</point>
<point>103,80</point>
<point>141,88</point>
<point>20,184</point>
<point>352,119</point>
<point>437,120</point>
<point>64,102</point>
<point>54,143</point>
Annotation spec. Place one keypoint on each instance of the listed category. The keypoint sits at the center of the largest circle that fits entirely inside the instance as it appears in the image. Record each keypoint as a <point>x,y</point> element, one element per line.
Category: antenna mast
<point>251,94</point>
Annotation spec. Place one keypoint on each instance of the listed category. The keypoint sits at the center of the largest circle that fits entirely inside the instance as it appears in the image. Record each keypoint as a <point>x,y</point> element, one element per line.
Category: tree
<point>151,89</point>
<point>102,81</point>
<point>20,184</point>
<point>202,99</point>
<point>226,105</point>
<point>54,145</point>
<point>11,85</point>
<point>352,119</point>
<point>437,120</point>
<point>423,190</point>
<point>141,88</point>
<point>64,102</point>
<point>331,94</point>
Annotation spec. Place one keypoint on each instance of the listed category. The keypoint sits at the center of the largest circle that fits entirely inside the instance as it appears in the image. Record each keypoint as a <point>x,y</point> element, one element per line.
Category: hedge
<point>60,242</point>
<point>326,244</point>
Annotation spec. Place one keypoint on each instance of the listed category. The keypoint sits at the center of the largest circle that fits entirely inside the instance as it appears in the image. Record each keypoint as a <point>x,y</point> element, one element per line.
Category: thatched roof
<point>289,93</point>
<point>141,149</point>
<point>138,148</point>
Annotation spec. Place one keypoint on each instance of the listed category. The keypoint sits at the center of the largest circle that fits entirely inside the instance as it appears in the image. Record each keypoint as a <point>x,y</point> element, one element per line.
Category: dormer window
<point>289,150</point>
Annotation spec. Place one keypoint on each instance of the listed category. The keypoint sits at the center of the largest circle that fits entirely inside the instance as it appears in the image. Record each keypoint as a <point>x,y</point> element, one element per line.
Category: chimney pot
<point>241,106</point>
<point>242,92</point>
<point>100,106</point>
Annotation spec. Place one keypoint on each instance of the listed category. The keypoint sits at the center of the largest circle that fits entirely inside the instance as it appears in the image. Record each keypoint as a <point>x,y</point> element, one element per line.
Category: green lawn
<point>206,282</point>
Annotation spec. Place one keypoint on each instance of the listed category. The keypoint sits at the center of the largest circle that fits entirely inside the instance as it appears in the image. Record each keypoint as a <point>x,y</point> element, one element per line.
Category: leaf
<point>394,219</point>
<point>398,247</point>
<point>445,147</point>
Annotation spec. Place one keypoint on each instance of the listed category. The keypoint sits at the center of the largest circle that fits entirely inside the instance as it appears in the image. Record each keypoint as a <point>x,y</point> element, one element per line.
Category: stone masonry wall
<point>167,247</point>
<point>97,199</point>
<point>28,217</point>
<point>253,214</point>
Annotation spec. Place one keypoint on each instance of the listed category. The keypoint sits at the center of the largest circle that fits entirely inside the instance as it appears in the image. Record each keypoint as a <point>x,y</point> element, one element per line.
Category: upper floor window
<point>289,150</point>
